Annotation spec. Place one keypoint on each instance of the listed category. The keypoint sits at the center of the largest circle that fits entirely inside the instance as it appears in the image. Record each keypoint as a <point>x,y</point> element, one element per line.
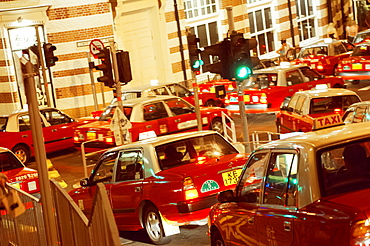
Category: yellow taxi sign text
<point>327,121</point>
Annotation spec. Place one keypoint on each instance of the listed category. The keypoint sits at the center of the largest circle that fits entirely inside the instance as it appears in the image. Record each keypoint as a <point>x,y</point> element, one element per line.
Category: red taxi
<point>324,56</point>
<point>57,128</point>
<point>18,175</point>
<point>149,116</point>
<point>312,189</point>
<point>266,89</point>
<point>314,109</point>
<point>162,183</point>
<point>361,37</point>
<point>357,66</point>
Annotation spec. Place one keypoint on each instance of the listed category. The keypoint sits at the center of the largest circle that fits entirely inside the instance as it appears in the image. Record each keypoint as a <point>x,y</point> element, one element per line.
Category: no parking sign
<point>96,45</point>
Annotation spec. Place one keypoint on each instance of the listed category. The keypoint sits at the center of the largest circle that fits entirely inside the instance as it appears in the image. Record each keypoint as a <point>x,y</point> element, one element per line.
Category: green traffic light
<point>243,72</point>
<point>198,63</point>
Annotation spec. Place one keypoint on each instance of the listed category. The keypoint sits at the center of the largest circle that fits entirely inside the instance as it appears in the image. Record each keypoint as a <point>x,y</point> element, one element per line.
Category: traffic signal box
<point>50,59</point>
<point>105,67</point>
<point>233,59</point>
<point>124,66</point>
<point>194,52</point>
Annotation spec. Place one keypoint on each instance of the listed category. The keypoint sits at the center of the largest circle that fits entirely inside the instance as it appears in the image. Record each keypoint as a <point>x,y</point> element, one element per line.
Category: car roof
<point>166,139</point>
<point>323,138</point>
<point>24,110</point>
<point>364,43</point>
<point>364,31</point>
<point>128,88</point>
<point>142,100</point>
<point>363,103</point>
<point>316,93</point>
<point>321,44</point>
<point>277,69</point>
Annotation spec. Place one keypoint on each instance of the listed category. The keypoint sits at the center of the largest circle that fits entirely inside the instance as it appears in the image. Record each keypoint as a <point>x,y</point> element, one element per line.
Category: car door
<point>59,135</point>
<point>295,81</point>
<point>127,190</point>
<point>275,216</point>
<point>287,116</point>
<point>238,224</point>
<point>183,115</point>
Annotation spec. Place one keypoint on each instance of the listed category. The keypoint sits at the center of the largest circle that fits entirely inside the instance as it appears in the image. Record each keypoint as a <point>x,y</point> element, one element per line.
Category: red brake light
<point>337,110</point>
<point>109,139</point>
<point>190,191</point>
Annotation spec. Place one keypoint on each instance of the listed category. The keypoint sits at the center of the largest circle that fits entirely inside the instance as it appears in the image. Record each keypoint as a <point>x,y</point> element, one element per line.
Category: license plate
<point>91,135</point>
<point>367,66</point>
<point>357,66</point>
<point>231,177</point>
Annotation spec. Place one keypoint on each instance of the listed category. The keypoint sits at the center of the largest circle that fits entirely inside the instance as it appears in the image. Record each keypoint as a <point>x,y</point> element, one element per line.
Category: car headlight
<point>360,233</point>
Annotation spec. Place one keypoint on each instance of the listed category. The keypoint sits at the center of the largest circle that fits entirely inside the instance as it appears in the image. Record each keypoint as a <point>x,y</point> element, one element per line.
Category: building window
<point>306,19</point>
<point>196,8</point>
<point>262,30</point>
<point>208,35</point>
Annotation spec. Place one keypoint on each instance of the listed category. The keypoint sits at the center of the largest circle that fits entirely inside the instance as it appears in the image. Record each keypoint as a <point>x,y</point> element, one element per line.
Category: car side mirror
<point>84,182</point>
<point>285,108</point>
<point>289,109</point>
<point>225,196</point>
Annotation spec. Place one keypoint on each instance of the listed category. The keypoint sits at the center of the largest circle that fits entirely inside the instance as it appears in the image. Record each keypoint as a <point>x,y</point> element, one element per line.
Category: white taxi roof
<point>144,100</point>
<point>329,92</point>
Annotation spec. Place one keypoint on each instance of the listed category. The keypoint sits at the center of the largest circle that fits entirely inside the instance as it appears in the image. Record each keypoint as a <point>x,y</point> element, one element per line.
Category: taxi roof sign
<point>327,121</point>
<point>321,87</point>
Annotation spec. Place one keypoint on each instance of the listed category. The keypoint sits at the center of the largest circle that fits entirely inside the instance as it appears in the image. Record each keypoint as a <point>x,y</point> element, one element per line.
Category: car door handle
<point>177,120</point>
<point>137,189</point>
<point>149,126</point>
<point>287,226</point>
<point>54,130</point>
<point>251,220</point>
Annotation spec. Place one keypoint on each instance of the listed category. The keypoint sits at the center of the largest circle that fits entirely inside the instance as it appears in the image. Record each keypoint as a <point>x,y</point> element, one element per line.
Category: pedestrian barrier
<point>229,131</point>
<point>73,227</point>
<point>262,137</point>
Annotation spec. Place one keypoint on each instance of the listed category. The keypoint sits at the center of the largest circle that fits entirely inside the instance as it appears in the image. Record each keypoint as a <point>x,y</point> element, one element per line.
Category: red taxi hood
<point>96,124</point>
<point>209,170</point>
<point>355,200</point>
<point>21,174</point>
<point>357,59</point>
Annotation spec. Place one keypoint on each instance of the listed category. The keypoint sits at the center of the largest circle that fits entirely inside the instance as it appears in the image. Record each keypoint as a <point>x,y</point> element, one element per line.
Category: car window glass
<point>24,123</point>
<point>179,91</point>
<point>161,91</point>
<point>281,179</point>
<point>359,114</point>
<point>178,106</point>
<point>361,50</point>
<point>320,51</point>
<point>154,111</point>
<point>262,81</point>
<point>55,117</point>
<point>250,183</point>
<point>292,102</point>
<point>103,172</point>
<point>310,74</point>
<point>293,78</point>
<point>9,162</point>
<point>332,104</point>
<point>299,105</point>
<point>339,48</point>
<point>130,165</point>
<point>109,112</point>
<point>348,116</point>
<point>345,167</point>
<point>3,122</point>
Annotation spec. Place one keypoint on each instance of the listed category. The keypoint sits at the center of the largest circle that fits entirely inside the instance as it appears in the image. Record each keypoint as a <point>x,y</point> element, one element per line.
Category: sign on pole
<point>96,45</point>
<point>120,123</point>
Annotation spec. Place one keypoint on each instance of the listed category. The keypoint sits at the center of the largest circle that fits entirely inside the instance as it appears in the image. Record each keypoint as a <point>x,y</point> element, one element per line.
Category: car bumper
<point>189,207</point>
<point>358,75</point>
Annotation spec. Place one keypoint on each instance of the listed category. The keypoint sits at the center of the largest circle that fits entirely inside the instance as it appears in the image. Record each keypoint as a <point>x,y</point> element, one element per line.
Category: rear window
<point>262,81</point>
<point>331,104</point>
<point>361,37</point>
<point>194,149</point>
<point>8,161</point>
<point>361,50</point>
<point>345,167</point>
<point>109,112</point>
<point>3,122</point>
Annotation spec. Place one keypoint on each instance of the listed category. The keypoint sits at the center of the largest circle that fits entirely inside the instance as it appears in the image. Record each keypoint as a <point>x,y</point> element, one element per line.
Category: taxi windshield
<point>337,104</point>
<point>345,167</point>
<point>262,81</point>
<point>109,112</point>
<point>9,162</point>
<point>361,50</point>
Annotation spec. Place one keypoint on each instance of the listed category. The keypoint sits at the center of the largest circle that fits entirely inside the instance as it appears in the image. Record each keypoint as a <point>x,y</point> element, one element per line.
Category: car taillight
<point>109,139</point>
<point>337,110</point>
<point>360,233</point>
<point>201,159</point>
<point>320,67</point>
<point>263,98</point>
<point>78,136</point>
<point>189,188</point>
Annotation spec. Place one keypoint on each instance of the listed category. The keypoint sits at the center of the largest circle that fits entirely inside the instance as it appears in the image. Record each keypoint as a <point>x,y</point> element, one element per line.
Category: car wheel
<point>335,71</point>
<point>216,239</point>
<point>23,153</point>
<point>355,82</point>
<point>217,125</point>
<point>337,86</point>
<point>153,226</point>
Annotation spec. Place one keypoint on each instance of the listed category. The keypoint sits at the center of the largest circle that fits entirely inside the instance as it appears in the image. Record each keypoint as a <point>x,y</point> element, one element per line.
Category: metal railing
<point>262,137</point>
<point>74,228</point>
<point>229,131</point>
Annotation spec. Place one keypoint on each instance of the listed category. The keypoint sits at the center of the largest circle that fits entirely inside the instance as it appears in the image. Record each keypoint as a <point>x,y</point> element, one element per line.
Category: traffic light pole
<point>196,102</point>
<point>243,116</point>
<point>92,80</point>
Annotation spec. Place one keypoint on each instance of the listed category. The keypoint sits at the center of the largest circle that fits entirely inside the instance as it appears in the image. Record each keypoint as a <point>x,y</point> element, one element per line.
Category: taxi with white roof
<point>314,109</point>
<point>149,117</point>
<point>323,56</point>
<point>357,112</point>
<point>266,89</point>
<point>311,189</point>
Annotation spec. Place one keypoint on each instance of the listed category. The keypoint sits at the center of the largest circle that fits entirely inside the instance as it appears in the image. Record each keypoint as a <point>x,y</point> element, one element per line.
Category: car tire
<point>355,82</point>
<point>23,153</point>
<point>153,226</point>
<point>217,125</point>
<point>216,239</point>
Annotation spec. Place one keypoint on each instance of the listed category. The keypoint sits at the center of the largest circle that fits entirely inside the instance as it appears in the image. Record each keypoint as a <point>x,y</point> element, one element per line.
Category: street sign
<point>96,45</point>
<point>120,125</point>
